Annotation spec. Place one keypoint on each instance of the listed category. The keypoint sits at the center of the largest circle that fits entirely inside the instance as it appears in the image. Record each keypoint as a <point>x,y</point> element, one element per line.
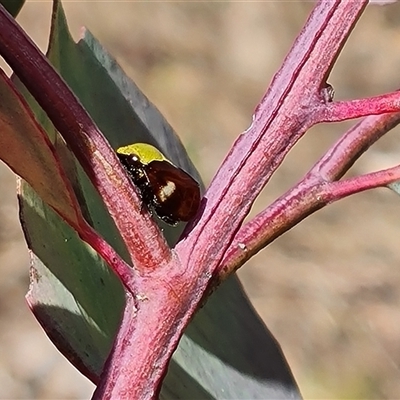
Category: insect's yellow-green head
<point>146,153</point>
<point>170,191</point>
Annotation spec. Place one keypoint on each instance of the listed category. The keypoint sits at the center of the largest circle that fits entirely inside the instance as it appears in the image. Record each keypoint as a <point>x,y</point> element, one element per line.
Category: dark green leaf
<point>13,6</point>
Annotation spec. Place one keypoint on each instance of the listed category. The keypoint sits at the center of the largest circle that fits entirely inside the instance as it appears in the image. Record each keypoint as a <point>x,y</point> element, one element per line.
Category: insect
<point>170,191</point>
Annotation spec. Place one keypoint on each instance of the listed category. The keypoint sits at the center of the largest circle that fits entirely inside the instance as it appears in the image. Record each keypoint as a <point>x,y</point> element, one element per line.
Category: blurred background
<point>329,290</point>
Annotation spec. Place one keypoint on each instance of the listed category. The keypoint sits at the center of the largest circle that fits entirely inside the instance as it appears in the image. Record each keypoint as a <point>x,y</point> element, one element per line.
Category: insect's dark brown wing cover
<point>182,203</point>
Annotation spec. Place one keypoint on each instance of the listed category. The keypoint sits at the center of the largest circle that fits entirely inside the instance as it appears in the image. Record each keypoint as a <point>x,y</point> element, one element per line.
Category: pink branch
<point>124,333</point>
<point>284,213</point>
<point>281,119</point>
<point>125,272</point>
<point>342,155</point>
<point>313,192</point>
<point>338,190</point>
<point>344,110</point>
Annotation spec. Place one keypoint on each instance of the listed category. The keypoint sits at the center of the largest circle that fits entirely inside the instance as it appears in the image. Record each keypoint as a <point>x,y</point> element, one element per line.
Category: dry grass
<point>329,289</point>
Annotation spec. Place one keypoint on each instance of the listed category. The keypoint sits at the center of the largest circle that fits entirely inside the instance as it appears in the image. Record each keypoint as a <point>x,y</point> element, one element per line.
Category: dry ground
<point>329,289</point>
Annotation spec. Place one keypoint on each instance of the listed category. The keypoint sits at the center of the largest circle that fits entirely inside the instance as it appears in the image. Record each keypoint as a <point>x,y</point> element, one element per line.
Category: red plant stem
<point>344,110</point>
<point>284,213</point>
<point>283,116</point>
<point>88,144</point>
<point>342,155</point>
<point>313,192</point>
<point>124,334</point>
<point>338,190</point>
<point>125,272</point>
<point>138,362</point>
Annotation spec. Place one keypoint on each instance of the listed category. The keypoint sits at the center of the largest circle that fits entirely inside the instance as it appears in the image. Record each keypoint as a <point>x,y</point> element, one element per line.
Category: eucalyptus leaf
<point>13,6</point>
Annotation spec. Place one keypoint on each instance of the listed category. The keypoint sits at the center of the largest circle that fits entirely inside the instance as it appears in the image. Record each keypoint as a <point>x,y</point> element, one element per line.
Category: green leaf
<point>395,186</point>
<point>13,6</point>
<point>73,293</point>
<point>226,352</point>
